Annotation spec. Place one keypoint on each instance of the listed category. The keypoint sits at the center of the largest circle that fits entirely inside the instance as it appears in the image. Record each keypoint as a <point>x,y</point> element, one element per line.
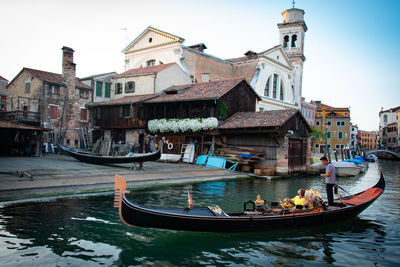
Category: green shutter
<point>107,91</point>
<point>99,89</point>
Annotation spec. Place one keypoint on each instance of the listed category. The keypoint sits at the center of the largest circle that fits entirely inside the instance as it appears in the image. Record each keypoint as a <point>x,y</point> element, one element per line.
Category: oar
<point>342,189</point>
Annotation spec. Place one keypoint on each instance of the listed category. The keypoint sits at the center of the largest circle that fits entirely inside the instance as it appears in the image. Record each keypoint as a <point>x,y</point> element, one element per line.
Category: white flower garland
<point>182,125</point>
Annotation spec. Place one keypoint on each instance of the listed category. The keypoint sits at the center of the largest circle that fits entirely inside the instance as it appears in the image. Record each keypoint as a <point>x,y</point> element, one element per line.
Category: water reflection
<point>88,231</point>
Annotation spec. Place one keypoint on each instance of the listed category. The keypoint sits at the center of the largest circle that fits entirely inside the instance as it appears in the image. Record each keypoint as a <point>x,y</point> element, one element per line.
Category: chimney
<point>251,54</point>
<point>199,47</point>
<point>68,65</point>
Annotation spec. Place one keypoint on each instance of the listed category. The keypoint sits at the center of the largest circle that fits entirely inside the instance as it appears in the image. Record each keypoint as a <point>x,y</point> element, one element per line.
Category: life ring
<point>170,146</point>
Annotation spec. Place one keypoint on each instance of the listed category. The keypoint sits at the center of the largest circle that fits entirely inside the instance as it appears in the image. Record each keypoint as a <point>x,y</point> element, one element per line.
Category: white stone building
<point>275,73</point>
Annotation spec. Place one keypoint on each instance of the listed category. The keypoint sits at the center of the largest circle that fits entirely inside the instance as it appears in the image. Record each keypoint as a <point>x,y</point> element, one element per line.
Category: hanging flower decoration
<point>182,125</point>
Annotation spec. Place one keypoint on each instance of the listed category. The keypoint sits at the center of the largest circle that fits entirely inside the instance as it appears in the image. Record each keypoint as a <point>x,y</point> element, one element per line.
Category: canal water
<point>87,231</point>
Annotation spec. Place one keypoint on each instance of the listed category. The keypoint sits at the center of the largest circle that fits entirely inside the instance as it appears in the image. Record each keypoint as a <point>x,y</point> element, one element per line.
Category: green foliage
<point>316,134</point>
<point>223,109</point>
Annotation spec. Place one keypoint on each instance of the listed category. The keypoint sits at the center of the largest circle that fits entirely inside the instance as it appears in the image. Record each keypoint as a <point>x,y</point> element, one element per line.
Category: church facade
<point>275,73</point>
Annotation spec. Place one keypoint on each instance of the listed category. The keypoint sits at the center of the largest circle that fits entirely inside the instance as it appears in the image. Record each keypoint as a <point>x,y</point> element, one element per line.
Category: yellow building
<point>335,123</point>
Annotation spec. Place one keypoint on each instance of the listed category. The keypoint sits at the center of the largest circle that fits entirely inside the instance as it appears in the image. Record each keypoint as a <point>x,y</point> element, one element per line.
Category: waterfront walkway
<point>63,175</point>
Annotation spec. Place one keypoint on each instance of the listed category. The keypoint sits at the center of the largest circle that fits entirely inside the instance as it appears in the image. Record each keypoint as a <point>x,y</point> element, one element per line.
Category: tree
<point>317,134</point>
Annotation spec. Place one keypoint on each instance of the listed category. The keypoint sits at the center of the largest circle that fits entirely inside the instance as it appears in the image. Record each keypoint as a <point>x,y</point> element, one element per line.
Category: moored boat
<point>94,158</point>
<point>214,219</point>
<point>170,157</point>
<point>344,168</point>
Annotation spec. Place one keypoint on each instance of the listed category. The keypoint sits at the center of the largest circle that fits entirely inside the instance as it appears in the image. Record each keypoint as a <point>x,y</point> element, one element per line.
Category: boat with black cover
<point>214,219</point>
<point>94,158</point>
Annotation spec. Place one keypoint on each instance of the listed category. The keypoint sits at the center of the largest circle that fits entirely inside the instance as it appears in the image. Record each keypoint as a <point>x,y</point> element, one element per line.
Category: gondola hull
<point>100,159</point>
<point>205,219</point>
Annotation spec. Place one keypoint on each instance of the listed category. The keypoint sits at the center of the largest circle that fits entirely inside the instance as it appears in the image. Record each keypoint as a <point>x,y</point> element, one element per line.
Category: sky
<point>351,46</point>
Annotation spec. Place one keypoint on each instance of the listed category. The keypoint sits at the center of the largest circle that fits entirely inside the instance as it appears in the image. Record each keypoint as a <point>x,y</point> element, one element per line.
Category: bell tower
<point>291,37</point>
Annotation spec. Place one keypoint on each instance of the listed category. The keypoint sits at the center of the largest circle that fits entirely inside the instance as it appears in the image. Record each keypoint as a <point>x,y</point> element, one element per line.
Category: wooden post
<point>329,154</point>
<point>335,152</point>
<point>341,152</point>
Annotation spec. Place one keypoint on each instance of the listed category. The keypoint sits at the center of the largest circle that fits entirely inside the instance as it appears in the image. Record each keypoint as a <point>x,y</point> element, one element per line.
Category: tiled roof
<point>123,100</point>
<point>260,119</point>
<point>145,70</point>
<point>239,59</point>
<point>1,78</point>
<point>53,77</point>
<point>197,91</point>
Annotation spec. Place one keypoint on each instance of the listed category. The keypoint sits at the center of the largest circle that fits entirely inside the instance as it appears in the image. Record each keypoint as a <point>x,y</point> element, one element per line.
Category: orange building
<point>367,139</point>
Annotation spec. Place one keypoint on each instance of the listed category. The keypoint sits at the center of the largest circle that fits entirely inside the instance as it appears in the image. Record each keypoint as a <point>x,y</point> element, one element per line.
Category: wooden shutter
<point>53,112</point>
<point>99,89</point>
<point>84,114</point>
<point>107,91</point>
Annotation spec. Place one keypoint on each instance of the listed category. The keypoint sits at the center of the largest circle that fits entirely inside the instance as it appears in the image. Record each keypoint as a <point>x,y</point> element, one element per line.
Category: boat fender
<point>170,146</point>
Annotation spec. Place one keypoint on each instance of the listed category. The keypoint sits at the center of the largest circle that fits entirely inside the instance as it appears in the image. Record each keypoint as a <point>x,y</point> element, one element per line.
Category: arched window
<point>294,40</point>
<point>286,41</point>
<point>281,91</point>
<point>274,86</point>
<point>266,90</point>
<point>151,62</point>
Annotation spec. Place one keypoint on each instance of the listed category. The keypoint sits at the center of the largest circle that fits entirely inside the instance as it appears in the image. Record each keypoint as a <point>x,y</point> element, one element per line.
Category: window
<point>285,41</point>
<point>99,88</point>
<point>343,123</point>
<point>126,111</point>
<point>294,40</point>
<point>317,123</point>
<point>266,89</point>
<point>328,135</point>
<point>130,87</point>
<point>337,146</point>
<point>151,62</point>
<point>53,112</point>
<point>275,83</point>
<point>316,145</point>
<point>340,135</point>
<point>281,92</point>
<point>107,90</point>
<point>118,88</point>
<point>54,89</point>
<point>83,93</point>
<point>205,77</point>
<point>385,118</point>
<point>338,123</point>
<point>84,114</point>
<point>329,123</point>
<point>27,87</point>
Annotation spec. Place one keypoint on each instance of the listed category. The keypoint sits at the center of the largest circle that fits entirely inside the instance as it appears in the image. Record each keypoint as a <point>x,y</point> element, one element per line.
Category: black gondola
<point>213,219</point>
<point>94,158</point>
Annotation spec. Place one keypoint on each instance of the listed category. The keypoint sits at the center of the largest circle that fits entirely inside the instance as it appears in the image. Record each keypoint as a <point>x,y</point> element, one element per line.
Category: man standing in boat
<point>330,179</point>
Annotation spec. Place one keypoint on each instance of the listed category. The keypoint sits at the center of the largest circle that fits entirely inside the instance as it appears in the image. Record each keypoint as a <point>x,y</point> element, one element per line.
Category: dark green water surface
<point>87,231</point>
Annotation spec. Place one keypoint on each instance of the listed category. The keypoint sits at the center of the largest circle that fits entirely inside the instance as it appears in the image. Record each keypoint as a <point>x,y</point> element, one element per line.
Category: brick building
<point>55,102</point>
